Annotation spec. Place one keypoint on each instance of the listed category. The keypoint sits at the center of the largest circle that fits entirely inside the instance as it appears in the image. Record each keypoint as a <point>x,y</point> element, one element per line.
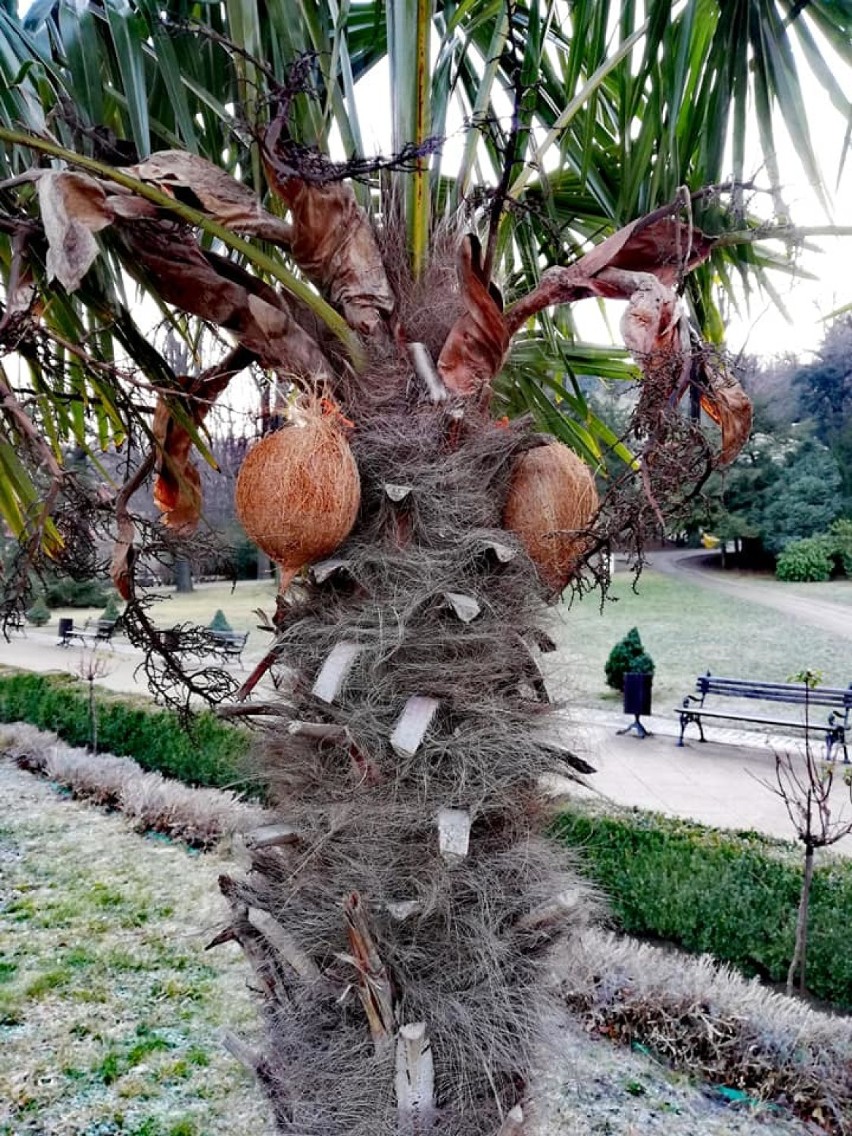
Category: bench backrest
<point>793,693</point>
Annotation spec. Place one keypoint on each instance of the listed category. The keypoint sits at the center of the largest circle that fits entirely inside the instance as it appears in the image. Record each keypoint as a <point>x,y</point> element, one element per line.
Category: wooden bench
<point>15,621</point>
<point>102,632</point>
<point>227,644</point>
<point>836,700</point>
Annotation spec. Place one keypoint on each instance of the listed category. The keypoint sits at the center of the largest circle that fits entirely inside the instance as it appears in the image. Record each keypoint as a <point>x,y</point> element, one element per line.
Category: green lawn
<point>687,630</point>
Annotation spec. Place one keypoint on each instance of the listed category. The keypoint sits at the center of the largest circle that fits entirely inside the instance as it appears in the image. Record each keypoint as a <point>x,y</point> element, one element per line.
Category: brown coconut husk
<point>552,500</point>
<point>298,490</point>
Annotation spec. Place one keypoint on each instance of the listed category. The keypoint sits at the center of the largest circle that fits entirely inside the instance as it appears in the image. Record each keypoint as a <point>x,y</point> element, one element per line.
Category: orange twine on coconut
<point>298,490</point>
<point>551,501</point>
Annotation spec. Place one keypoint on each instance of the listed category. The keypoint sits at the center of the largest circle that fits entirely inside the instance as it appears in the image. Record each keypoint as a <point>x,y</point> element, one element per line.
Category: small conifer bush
<point>628,656</point>
<point>112,611</point>
<point>219,622</point>
<point>39,614</point>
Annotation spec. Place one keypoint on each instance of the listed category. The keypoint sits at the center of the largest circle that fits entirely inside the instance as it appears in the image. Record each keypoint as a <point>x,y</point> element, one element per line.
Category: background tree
<point>400,917</point>
<point>825,399</point>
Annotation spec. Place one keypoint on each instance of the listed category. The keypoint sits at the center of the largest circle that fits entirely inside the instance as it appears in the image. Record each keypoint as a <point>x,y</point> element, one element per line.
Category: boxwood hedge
<point>732,894</point>
<point>209,753</point>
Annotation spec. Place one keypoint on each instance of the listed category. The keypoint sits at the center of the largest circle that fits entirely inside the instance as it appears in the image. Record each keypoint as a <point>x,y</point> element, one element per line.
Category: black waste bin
<point>66,626</point>
<point>637,700</point>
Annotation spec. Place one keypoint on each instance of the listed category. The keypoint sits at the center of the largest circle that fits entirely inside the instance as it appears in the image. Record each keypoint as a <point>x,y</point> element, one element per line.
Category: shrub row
<point>734,895</point>
<point>211,753</point>
<point>818,557</point>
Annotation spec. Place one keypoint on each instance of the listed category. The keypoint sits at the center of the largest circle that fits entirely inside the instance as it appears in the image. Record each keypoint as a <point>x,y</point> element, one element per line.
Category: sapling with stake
<point>805,788</point>
<point>91,666</point>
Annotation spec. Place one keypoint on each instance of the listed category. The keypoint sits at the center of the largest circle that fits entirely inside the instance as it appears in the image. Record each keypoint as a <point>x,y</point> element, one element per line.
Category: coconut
<point>552,498</point>
<point>298,490</point>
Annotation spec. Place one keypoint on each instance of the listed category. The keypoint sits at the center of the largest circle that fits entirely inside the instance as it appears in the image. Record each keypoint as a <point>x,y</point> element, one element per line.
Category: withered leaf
<point>730,408</point>
<point>333,243</point>
<point>123,555</point>
<point>177,488</point>
<point>659,244</point>
<point>650,322</point>
<point>219,291</point>
<point>476,346</point>
<point>73,208</point>
<point>200,183</point>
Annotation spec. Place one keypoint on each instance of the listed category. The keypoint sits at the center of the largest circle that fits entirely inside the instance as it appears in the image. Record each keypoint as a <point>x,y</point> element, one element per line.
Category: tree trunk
<point>93,716</point>
<point>264,565</point>
<point>414,804</point>
<point>799,959</point>
<point>183,575</point>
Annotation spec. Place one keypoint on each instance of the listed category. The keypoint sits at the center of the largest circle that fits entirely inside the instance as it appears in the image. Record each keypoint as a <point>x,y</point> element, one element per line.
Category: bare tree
<point>805,788</point>
<point>91,666</point>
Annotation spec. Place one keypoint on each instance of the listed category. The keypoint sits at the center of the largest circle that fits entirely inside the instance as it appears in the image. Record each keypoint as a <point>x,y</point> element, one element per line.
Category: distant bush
<point>39,614</point>
<point>219,622</point>
<point>734,895</point>
<point>805,561</point>
<point>209,753</point>
<point>76,593</point>
<point>628,656</point>
<point>840,538</point>
<point>112,611</point>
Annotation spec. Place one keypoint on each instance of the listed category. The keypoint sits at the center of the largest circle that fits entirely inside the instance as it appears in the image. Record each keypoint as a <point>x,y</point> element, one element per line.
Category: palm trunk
<point>414,886</point>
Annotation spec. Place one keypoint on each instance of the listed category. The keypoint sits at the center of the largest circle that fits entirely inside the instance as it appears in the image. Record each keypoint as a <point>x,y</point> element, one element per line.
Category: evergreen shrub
<point>805,561</point>
<point>65,592</point>
<point>734,895</point>
<point>39,614</point>
<point>219,622</point>
<point>209,753</point>
<point>628,656</point>
<point>112,611</point>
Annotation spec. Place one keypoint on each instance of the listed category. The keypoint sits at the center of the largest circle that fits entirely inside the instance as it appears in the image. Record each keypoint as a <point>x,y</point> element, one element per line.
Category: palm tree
<point>401,918</point>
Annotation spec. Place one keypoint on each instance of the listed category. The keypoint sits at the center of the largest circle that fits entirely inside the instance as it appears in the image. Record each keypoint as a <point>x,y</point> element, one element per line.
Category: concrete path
<point>720,783</point>
<point>704,569</point>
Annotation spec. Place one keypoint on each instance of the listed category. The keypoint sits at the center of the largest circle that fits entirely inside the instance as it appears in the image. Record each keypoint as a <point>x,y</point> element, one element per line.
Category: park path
<point>704,569</point>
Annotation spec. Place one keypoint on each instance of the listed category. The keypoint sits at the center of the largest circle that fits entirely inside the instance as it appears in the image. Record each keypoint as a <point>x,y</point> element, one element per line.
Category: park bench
<point>15,621</point>
<point>102,632</point>
<point>227,644</point>
<point>836,700</point>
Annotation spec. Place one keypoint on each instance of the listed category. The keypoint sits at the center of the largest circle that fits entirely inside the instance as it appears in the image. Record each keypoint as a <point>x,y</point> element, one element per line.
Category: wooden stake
<point>397,493</point>
<point>415,1079</point>
<point>427,373</point>
<point>243,1053</point>
<point>465,607</point>
<point>412,724</point>
<point>329,682</point>
<point>453,833</point>
<point>513,1124</point>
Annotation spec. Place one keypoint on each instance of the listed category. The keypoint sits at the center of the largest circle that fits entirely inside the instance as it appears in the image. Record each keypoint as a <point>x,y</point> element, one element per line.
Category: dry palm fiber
<point>705,1018</point>
<point>298,490</point>
<point>463,941</point>
<point>552,501</point>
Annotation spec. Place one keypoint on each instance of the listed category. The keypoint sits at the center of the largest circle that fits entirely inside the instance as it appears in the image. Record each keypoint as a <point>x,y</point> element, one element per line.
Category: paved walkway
<point>724,782</point>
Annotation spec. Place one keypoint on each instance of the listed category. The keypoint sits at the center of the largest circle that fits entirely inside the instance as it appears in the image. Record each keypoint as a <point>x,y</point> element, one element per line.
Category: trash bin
<point>637,693</point>
<point>637,700</point>
<point>66,626</point>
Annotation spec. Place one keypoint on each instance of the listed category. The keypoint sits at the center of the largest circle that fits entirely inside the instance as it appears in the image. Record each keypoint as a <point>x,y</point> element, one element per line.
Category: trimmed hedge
<point>732,894</point>
<point>210,753</point>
